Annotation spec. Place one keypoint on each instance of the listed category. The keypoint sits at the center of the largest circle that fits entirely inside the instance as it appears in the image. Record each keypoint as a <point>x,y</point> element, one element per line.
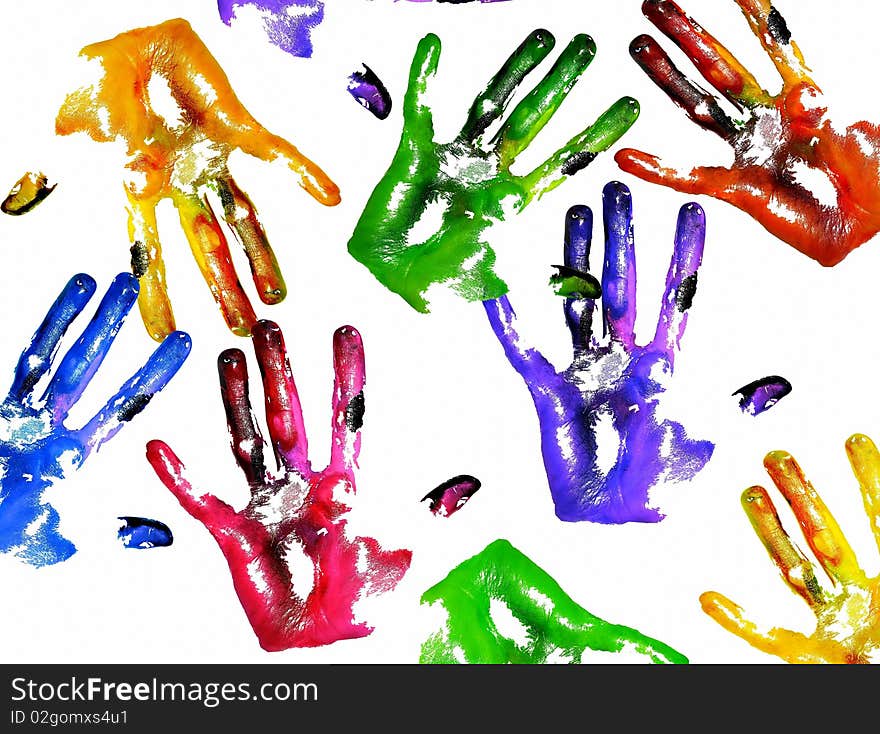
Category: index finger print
<point>348,399</point>
<point>211,252</point>
<point>241,216</point>
<point>619,269</point>
<point>283,410</point>
<point>698,104</point>
<point>583,148</point>
<point>865,462</point>
<point>37,358</point>
<point>796,570</point>
<point>716,64</point>
<point>491,102</point>
<point>138,391</point>
<point>681,279</point>
<point>818,525</point>
<point>247,443</point>
<point>536,109</point>
<point>86,355</point>
<point>578,237</point>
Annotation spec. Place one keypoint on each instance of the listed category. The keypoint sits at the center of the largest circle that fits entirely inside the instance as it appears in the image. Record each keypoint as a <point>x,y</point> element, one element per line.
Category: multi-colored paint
<point>760,395</point>
<point>142,532</point>
<point>466,184</point>
<point>808,182</point>
<point>842,596</point>
<point>369,91</point>
<point>182,160</point>
<point>291,505</point>
<point>288,24</point>
<point>605,403</point>
<point>450,496</point>
<point>557,628</point>
<point>28,191</point>
<point>37,450</point>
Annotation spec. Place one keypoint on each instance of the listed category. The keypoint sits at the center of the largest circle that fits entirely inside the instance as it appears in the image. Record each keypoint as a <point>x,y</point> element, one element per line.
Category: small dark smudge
<point>370,92</point>
<point>577,162</point>
<point>354,412</point>
<point>28,191</point>
<point>777,26</point>
<point>451,495</point>
<point>132,406</point>
<point>684,296</point>
<point>141,532</point>
<point>762,394</point>
<point>140,259</point>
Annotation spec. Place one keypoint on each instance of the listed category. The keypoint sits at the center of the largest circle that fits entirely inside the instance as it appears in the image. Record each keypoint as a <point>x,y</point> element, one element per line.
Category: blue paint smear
<point>141,532</point>
<point>37,449</point>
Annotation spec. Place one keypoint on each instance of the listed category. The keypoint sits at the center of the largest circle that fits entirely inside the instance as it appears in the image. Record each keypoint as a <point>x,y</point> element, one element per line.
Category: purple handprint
<point>613,382</point>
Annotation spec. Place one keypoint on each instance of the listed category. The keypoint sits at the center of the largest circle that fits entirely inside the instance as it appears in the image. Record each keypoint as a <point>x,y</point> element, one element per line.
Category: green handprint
<point>556,624</point>
<point>469,178</point>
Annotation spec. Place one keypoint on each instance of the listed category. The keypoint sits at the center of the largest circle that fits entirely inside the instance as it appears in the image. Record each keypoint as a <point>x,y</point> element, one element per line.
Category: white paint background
<point>441,399</point>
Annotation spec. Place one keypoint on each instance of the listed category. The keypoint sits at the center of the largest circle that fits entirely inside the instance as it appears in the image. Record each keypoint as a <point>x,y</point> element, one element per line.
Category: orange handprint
<point>181,159</point>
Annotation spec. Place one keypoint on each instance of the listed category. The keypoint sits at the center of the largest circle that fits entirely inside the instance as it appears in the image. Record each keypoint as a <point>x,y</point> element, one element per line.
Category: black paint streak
<point>748,390</point>
<point>565,272</point>
<point>354,412</point>
<point>31,379</point>
<point>684,296</point>
<point>132,406</point>
<point>227,198</point>
<point>140,259</point>
<point>578,162</point>
<point>777,26</point>
<point>438,491</point>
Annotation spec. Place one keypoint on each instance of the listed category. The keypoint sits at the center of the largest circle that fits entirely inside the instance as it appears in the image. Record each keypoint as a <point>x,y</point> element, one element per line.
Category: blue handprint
<point>36,448</point>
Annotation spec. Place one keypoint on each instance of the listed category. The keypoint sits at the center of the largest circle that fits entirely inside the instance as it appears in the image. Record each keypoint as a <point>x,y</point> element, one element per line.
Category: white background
<point>441,398</point>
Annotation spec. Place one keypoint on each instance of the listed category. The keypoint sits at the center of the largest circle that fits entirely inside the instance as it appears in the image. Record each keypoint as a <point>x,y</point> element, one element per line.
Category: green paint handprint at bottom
<point>469,179</point>
<point>556,624</point>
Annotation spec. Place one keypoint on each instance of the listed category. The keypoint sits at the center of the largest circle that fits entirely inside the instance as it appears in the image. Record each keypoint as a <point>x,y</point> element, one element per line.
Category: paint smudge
<point>141,533</point>
<point>450,496</point>
<point>555,625</point>
<point>179,137</point>
<point>840,595</point>
<point>288,24</point>
<point>762,394</point>
<point>292,506</point>
<point>37,449</point>
<point>28,191</point>
<point>807,181</point>
<point>572,282</point>
<point>370,92</point>
<point>604,444</point>
<point>464,186</point>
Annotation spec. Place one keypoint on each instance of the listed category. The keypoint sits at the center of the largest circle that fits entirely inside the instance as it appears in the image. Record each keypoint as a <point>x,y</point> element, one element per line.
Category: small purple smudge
<point>761,395</point>
<point>141,533</point>
<point>287,23</point>
<point>450,496</point>
<point>370,92</point>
